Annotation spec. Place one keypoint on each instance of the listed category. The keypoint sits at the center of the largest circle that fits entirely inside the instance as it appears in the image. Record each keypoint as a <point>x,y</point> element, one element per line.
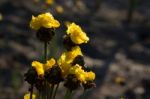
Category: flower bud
<point>45,34</point>
<point>54,75</point>
<point>31,76</point>
<point>72,82</point>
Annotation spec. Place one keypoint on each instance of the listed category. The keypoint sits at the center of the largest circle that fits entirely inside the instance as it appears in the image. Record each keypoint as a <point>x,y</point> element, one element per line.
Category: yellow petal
<point>50,63</point>
<point>38,67</point>
<point>77,35</point>
<point>27,96</point>
<point>90,76</point>
<point>70,55</point>
<point>44,20</point>
<point>79,72</point>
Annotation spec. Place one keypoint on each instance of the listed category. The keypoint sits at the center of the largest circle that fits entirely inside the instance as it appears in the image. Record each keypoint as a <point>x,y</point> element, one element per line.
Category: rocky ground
<point>118,52</point>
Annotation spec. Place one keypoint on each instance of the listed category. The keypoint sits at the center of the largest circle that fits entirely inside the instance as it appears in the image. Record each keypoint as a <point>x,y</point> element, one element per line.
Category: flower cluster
<point>72,61</point>
<point>69,69</point>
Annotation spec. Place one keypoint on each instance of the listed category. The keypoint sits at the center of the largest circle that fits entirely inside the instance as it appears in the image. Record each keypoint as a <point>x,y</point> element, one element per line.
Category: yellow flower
<point>90,76</point>
<point>38,67</point>
<point>65,69</point>
<point>79,72</point>
<point>70,55</point>
<point>64,65</point>
<point>27,96</point>
<point>45,20</point>
<point>67,58</point>
<point>41,68</point>
<point>50,63</point>
<point>77,35</point>
<point>49,2</point>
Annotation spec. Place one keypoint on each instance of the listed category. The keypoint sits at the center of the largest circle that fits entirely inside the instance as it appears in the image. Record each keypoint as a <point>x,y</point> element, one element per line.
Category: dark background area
<point>119,47</point>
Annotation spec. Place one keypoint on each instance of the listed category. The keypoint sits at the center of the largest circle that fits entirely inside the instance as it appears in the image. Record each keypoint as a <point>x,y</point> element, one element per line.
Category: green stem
<point>66,95</point>
<point>55,91</point>
<point>31,91</point>
<point>45,51</point>
<point>83,95</point>
<point>39,95</point>
<point>51,91</point>
<point>48,91</point>
<point>45,95</point>
<point>70,94</point>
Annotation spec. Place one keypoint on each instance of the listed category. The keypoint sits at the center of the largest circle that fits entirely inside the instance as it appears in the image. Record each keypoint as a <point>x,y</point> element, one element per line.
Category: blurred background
<point>118,52</point>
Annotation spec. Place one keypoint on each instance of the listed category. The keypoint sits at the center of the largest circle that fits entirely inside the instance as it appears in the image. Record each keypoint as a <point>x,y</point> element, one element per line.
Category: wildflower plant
<point>68,69</point>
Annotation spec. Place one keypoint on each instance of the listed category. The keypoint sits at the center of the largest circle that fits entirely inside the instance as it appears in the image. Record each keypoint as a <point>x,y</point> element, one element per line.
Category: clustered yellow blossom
<point>70,66</point>
<point>41,68</point>
<point>45,20</point>
<point>27,96</point>
<point>65,63</point>
<point>77,35</point>
<point>82,75</point>
<point>67,58</point>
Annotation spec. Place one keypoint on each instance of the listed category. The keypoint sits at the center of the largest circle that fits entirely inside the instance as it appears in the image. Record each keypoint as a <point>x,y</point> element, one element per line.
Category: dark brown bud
<point>89,84</point>
<point>68,42</point>
<point>40,84</point>
<point>72,82</point>
<point>31,76</point>
<point>54,75</point>
<point>79,60</point>
<point>45,34</point>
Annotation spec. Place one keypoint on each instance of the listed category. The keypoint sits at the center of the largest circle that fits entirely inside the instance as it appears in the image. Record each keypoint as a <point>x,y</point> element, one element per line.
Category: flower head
<point>67,58</point>
<point>38,67</point>
<point>79,72</point>
<point>77,35</point>
<point>90,76</point>
<point>27,96</point>
<point>41,68</point>
<point>82,75</point>
<point>50,63</point>
<point>45,20</point>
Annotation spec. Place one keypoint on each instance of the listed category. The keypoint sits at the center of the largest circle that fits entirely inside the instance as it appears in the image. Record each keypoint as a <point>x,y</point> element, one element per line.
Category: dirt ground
<point>119,50</point>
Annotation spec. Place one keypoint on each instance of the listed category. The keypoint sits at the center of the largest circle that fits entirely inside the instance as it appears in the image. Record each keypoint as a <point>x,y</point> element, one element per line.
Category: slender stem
<point>43,94</point>
<point>31,91</point>
<point>51,91</point>
<point>45,59</point>
<point>48,91</point>
<point>66,95</point>
<point>83,95</point>
<point>70,94</point>
<point>55,91</point>
<point>45,51</point>
<point>39,95</point>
